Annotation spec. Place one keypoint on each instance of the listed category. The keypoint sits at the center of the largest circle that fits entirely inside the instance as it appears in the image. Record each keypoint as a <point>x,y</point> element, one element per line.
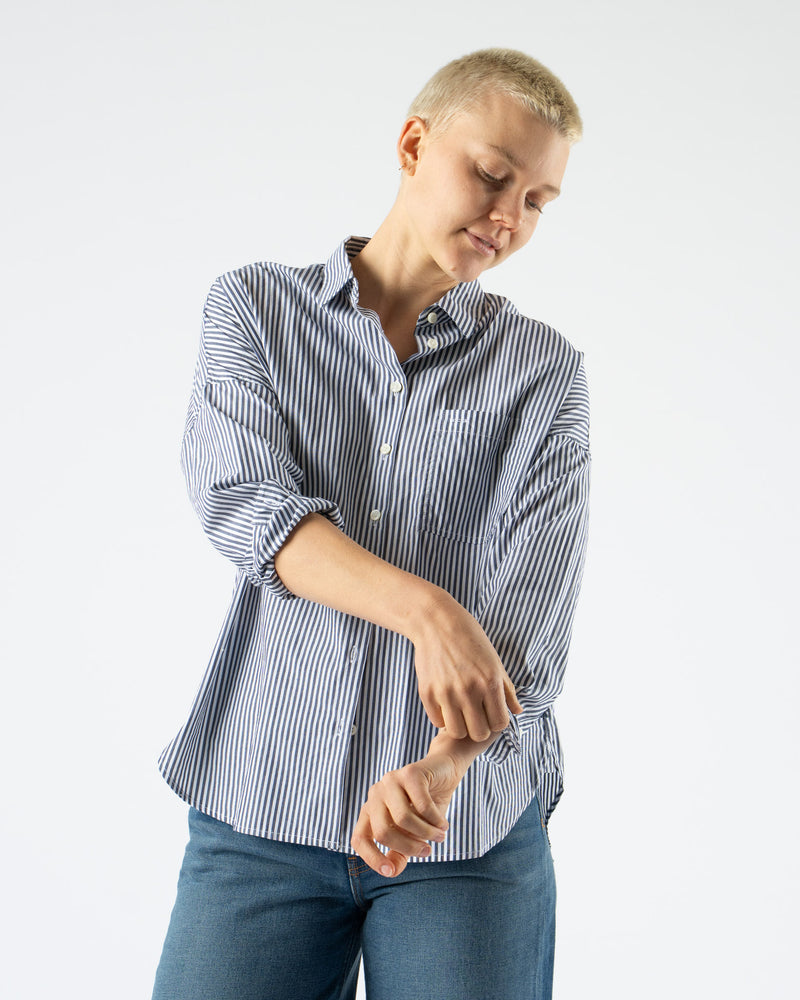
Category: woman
<point>398,465</point>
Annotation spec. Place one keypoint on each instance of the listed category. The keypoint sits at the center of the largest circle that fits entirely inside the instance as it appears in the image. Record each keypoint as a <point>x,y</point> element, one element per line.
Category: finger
<point>496,709</point>
<point>477,724</point>
<point>363,843</point>
<point>417,779</point>
<point>454,721</point>
<point>397,862</point>
<point>432,708</point>
<point>388,833</point>
<point>408,818</point>
<point>511,696</point>
<point>364,846</point>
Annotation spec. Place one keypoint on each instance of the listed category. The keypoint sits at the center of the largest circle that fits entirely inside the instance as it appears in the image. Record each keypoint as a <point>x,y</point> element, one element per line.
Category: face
<point>473,194</point>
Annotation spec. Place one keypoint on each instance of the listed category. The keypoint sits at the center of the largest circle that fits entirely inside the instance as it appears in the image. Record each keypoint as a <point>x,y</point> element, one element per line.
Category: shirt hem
<point>304,840</point>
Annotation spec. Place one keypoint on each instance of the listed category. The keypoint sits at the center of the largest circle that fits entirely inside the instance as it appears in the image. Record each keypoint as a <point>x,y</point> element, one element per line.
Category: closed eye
<point>499,182</point>
<point>489,178</point>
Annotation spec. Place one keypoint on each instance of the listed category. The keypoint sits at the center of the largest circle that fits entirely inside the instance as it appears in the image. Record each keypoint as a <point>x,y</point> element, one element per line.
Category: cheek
<point>468,199</point>
<point>523,234</point>
<point>534,222</point>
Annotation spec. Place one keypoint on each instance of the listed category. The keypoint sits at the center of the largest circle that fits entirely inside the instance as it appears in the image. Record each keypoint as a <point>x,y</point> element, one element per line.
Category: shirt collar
<point>337,272</point>
<point>465,304</point>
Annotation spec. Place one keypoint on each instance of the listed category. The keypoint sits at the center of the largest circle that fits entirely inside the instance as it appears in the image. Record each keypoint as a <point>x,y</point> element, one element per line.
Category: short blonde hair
<point>461,83</point>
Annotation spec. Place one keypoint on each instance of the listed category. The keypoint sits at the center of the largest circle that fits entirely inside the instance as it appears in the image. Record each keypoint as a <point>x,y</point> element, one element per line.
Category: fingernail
<point>439,838</point>
<point>387,870</point>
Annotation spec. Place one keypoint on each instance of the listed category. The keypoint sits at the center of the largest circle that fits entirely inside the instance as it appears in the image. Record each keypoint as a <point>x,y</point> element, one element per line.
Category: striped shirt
<point>467,465</point>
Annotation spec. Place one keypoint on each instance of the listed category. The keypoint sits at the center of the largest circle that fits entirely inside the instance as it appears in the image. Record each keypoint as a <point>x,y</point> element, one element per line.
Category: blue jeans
<point>258,919</point>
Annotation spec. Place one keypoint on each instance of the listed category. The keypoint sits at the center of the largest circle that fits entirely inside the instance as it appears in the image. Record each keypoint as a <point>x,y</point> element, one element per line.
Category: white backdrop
<point>148,148</point>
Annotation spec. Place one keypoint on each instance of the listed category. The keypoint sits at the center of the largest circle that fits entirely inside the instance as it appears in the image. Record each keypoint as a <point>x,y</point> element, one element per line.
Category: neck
<point>394,278</point>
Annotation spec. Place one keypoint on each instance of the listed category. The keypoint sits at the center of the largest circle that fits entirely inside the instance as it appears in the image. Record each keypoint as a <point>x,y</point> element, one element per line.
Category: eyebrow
<point>515,163</point>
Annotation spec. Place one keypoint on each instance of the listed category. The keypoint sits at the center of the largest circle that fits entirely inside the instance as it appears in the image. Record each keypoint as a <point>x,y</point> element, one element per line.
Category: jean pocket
<point>462,494</point>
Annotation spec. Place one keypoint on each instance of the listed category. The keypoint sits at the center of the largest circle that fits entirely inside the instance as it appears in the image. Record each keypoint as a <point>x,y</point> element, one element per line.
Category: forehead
<point>501,126</point>
<point>497,115</point>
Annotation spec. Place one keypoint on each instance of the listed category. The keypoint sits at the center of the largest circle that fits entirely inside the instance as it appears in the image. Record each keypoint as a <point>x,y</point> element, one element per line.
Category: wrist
<point>432,611</point>
<point>462,752</point>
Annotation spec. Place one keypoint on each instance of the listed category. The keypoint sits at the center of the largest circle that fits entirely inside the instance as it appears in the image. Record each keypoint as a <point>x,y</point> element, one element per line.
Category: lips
<point>483,244</point>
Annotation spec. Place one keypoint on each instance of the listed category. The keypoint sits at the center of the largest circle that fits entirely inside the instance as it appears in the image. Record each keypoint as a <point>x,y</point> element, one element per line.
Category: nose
<point>508,211</point>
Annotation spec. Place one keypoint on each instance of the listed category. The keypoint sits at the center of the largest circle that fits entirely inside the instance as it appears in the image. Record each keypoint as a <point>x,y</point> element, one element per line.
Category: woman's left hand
<point>405,810</point>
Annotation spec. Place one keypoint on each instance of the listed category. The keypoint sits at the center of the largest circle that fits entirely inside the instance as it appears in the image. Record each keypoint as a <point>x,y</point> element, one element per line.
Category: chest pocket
<point>462,495</point>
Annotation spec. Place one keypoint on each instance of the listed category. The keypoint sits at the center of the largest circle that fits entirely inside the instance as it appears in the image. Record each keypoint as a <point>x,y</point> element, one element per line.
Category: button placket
<point>431,319</point>
<point>385,448</point>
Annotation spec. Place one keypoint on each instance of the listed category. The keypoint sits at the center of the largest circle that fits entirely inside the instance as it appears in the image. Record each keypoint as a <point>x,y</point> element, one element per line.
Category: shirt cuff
<point>509,741</point>
<point>283,511</point>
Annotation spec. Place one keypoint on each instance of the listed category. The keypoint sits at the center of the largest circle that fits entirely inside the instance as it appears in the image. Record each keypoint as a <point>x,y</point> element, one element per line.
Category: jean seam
<point>543,822</point>
<point>353,955</point>
<point>356,868</point>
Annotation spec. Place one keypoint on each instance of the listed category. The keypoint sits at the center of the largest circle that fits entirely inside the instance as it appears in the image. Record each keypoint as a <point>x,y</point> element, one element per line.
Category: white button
<point>374,515</point>
<point>431,342</point>
<point>385,449</point>
<point>432,317</point>
<point>353,654</point>
<point>353,730</point>
<point>396,386</point>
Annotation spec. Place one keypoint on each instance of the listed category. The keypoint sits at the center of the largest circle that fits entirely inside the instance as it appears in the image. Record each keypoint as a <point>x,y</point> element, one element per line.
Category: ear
<point>410,142</point>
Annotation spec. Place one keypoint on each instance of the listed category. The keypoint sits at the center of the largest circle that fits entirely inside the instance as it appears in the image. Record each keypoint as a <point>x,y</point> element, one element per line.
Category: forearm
<point>461,680</point>
<point>320,563</point>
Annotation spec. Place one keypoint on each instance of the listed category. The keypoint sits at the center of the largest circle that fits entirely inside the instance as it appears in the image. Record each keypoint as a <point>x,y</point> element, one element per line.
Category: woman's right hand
<point>462,683</point>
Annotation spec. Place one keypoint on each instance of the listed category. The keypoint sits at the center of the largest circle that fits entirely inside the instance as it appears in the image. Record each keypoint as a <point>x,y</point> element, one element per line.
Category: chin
<point>473,271</point>
<point>465,270</point>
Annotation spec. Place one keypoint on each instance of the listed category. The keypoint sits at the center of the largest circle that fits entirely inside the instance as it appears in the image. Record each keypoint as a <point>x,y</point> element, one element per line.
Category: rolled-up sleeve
<point>535,566</point>
<point>244,483</point>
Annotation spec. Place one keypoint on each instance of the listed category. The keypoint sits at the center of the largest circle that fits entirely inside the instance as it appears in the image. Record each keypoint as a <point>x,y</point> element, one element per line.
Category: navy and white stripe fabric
<point>467,464</point>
